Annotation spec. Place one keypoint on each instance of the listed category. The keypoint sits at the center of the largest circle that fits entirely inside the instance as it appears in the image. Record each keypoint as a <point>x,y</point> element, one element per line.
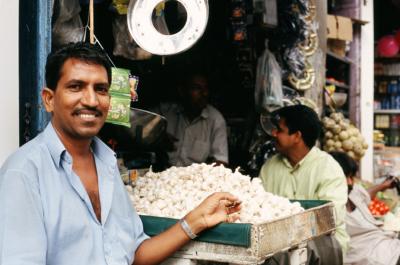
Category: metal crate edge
<point>267,238</point>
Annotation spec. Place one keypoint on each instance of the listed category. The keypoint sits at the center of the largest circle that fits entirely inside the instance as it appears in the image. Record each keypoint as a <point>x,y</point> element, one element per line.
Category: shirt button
<point>107,249</point>
<point>107,257</point>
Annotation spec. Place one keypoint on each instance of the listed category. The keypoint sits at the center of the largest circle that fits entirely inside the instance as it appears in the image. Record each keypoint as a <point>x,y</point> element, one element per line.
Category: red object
<point>378,208</point>
<point>397,37</point>
<point>388,46</point>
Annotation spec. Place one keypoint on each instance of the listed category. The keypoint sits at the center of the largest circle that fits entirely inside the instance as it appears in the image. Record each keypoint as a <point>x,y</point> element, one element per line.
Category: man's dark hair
<point>347,163</point>
<point>300,118</point>
<point>186,77</point>
<point>82,51</point>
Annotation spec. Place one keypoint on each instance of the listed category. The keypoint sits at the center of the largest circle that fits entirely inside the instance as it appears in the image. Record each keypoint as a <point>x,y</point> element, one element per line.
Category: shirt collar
<point>310,156</point>
<point>103,152</point>
<point>204,113</point>
<point>57,149</point>
<point>54,144</point>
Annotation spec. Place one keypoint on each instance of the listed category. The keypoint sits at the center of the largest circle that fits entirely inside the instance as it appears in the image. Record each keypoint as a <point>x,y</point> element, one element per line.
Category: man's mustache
<point>95,111</point>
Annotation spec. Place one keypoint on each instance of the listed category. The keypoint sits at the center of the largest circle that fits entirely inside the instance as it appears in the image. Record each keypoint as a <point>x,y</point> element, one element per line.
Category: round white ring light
<point>148,38</point>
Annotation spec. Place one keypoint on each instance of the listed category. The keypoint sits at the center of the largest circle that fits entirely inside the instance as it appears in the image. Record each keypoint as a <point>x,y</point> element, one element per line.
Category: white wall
<point>367,87</point>
<point>9,85</point>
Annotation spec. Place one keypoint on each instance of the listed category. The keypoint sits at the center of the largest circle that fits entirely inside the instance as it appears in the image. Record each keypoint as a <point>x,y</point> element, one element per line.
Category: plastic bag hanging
<point>67,25</point>
<point>268,91</point>
<point>124,45</point>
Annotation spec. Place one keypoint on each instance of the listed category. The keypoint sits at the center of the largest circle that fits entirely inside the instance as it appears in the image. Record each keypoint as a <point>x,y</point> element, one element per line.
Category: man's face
<point>80,102</point>
<point>350,183</point>
<point>283,140</point>
<point>197,92</point>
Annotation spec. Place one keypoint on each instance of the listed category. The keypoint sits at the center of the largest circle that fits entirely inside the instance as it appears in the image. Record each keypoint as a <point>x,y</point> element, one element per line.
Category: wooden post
<point>91,21</point>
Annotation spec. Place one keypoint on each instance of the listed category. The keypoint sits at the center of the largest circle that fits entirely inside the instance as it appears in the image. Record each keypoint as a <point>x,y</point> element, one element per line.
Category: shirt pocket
<point>199,151</point>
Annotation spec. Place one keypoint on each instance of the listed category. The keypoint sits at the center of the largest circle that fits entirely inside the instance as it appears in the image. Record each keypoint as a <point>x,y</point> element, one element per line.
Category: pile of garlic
<point>341,135</point>
<point>177,190</point>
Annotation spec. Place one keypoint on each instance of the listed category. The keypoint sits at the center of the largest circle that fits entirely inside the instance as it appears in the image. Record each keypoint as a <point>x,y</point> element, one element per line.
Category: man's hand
<point>212,160</point>
<point>216,208</point>
<point>388,183</point>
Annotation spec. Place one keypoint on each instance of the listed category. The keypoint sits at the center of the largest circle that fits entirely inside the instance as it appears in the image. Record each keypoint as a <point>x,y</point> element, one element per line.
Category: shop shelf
<point>337,84</point>
<point>339,58</point>
<point>387,111</point>
<point>388,59</point>
<point>386,76</point>
<point>390,129</point>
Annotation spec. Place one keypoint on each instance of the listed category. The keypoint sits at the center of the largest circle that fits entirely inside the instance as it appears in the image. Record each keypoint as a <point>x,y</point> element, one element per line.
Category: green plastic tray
<point>224,233</point>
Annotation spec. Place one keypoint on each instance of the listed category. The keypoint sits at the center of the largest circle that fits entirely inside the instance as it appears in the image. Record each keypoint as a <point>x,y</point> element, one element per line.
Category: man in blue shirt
<point>62,200</point>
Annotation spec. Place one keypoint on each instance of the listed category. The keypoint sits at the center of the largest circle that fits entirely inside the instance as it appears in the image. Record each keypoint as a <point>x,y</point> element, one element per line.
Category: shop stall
<point>227,46</point>
<point>232,42</point>
<point>268,224</point>
<point>386,94</point>
<point>259,55</point>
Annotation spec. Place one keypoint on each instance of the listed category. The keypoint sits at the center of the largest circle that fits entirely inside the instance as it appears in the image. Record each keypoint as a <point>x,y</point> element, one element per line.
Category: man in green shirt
<point>302,171</point>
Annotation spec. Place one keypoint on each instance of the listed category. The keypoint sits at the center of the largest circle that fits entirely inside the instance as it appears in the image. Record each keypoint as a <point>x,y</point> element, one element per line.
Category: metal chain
<point>27,121</point>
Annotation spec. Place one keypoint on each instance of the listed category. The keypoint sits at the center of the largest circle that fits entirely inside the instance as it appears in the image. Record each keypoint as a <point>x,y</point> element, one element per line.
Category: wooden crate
<point>267,238</point>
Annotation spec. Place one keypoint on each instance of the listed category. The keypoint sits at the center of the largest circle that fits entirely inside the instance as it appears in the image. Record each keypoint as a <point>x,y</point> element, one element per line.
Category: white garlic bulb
<point>177,190</point>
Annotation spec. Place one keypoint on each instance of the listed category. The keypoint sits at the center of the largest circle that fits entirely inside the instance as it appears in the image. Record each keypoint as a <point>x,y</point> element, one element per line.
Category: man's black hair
<point>300,118</point>
<point>187,75</point>
<point>347,163</point>
<point>82,51</point>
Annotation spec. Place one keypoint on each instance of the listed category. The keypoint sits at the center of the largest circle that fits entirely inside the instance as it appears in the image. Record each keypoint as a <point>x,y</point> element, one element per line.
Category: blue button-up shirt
<point>46,216</point>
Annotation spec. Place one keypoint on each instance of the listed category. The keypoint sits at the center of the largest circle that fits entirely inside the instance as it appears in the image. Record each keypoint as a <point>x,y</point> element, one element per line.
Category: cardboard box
<point>340,28</point>
<point>336,46</point>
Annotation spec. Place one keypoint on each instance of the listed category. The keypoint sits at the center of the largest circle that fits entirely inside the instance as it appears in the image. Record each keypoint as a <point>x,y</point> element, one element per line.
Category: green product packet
<point>119,112</point>
<point>121,6</point>
<point>120,81</point>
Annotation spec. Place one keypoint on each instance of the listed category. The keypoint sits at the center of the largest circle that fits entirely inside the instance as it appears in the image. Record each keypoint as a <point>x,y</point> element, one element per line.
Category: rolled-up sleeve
<point>140,235</point>
<point>22,233</point>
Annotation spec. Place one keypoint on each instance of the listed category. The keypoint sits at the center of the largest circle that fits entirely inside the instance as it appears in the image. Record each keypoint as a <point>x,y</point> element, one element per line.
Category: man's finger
<point>231,204</point>
<point>226,197</point>
<point>234,209</point>
<point>230,218</point>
